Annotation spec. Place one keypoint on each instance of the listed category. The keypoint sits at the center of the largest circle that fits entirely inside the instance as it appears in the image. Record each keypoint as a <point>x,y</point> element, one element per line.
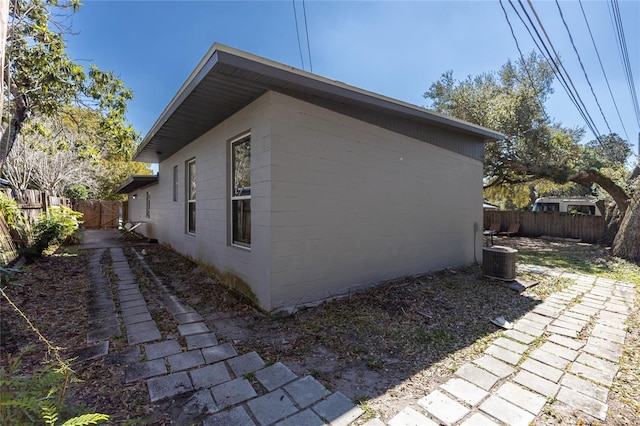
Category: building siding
<point>354,204</point>
<point>337,204</point>
<point>210,244</point>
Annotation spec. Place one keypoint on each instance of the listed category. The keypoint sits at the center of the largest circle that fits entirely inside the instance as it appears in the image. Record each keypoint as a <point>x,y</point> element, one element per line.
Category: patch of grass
<point>375,363</point>
<point>363,402</point>
<point>437,337</point>
<point>581,258</point>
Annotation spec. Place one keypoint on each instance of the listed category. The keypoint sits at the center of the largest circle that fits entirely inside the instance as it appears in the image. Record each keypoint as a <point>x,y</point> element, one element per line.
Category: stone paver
<point>409,416</point>
<point>503,354</point>
<point>199,341</point>
<point>271,407</point>
<point>168,386</point>
<point>506,412</point>
<point>275,376</point>
<point>495,366</point>
<point>200,403</point>
<point>144,370</point>
<point>185,360</point>
<point>560,351</point>
<point>443,408</point>
<point>306,391</point>
<point>209,376</point>
<point>235,416</point>
<point>530,401</point>
<point>477,376</point>
<point>233,392</point>
<point>520,336</point>
<point>309,418</point>
<point>600,376</point>
<point>537,383</point>
<point>585,387</point>
<point>193,328</point>
<point>582,402</point>
<point>218,353</point>
<point>245,364</point>
<point>162,349</point>
<point>338,410</point>
<point>549,359</point>
<point>464,391</point>
<point>511,345</point>
<point>542,370</point>
<point>565,341</point>
<point>478,419</point>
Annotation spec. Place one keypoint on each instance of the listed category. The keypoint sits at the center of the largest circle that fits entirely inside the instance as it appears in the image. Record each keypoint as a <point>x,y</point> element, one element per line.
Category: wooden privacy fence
<point>8,251</point>
<point>33,202</point>
<point>99,214</point>
<point>535,224</point>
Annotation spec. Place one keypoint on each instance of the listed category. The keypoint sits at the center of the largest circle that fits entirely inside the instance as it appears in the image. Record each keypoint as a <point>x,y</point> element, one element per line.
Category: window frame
<point>189,227</point>
<point>175,183</point>
<point>237,200</point>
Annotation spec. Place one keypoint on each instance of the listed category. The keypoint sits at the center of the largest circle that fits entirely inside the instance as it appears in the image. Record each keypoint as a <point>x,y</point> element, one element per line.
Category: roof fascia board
<point>336,88</point>
<point>201,70</point>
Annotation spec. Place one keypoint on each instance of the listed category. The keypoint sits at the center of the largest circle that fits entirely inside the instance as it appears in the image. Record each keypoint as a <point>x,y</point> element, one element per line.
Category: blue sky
<point>395,48</point>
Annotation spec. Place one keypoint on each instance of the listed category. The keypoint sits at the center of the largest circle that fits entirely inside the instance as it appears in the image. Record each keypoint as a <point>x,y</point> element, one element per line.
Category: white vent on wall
<point>499,262</point>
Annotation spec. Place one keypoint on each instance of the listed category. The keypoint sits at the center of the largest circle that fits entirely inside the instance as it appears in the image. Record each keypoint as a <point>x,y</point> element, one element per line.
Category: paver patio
<point>567,348</point>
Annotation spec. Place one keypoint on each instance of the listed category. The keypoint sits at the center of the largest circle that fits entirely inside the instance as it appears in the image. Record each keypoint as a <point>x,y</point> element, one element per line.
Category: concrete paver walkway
<point>224,387</point>
<point>566,349</point>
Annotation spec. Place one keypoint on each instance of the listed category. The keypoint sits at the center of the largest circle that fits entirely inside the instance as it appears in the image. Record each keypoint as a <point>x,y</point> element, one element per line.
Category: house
<point>296,188</point>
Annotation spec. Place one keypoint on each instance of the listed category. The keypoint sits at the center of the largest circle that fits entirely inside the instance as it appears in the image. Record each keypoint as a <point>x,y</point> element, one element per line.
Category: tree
<point>512,102</point>
<point>45,158</point>
<point>71,157</point>
<point>43,80</point>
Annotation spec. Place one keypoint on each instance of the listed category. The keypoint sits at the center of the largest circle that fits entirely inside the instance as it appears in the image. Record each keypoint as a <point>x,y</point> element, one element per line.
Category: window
<point>241,191</point>
<point>148,204</point>
<point>175,183</point>
<point>191,196</point>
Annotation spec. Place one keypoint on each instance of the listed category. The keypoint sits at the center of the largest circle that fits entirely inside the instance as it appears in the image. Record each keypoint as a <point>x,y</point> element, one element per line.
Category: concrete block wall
<point>211,243</point>
<point>354,204</point>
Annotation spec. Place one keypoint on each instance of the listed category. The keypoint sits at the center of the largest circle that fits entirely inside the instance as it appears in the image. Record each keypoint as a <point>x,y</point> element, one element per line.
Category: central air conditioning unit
<point>499,262</point>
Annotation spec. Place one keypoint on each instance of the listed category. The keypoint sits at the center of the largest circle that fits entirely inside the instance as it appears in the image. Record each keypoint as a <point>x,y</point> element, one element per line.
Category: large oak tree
<point>512,102</point>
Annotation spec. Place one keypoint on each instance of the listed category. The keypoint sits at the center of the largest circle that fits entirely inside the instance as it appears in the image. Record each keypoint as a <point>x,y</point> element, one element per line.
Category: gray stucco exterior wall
<point>337,204</point>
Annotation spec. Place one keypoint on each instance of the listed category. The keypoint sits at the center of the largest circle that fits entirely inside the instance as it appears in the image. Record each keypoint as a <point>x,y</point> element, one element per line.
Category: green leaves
<point>45,81</point>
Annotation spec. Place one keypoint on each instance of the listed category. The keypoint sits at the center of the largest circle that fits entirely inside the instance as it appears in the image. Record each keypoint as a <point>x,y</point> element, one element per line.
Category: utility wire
<point>567,83</point>
<point>582,66</point>
<point>615,104</point>
<point>524,63</point>
<point>547,55</point>
<point>295,15</point>
<point>624,53</point>
<point>306,30</point>
<point>575,90</point>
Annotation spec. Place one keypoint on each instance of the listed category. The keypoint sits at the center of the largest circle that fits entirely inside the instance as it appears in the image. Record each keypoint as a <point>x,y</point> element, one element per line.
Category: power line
<point>582,66</point>
<point>558,67</point>
<point>306,30</point>
<point>615,104</point>
<point>548,57</point>
<point>524,64</point>
<point>592,124</point>
<point>295,15</point>
<point>624,53</point>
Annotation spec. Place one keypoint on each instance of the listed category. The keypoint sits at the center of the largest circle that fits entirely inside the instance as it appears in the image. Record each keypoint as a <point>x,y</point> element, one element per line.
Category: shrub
<point>54,228</point>
<point>10,211</point>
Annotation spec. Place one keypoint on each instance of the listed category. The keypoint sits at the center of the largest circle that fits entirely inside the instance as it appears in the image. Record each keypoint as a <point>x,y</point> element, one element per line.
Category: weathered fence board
<point>8,251</point>
<point>99,214</point>
<point>535,224</point>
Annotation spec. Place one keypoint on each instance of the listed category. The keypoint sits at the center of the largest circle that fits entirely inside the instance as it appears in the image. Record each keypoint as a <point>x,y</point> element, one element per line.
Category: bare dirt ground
<point>384,347</point>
